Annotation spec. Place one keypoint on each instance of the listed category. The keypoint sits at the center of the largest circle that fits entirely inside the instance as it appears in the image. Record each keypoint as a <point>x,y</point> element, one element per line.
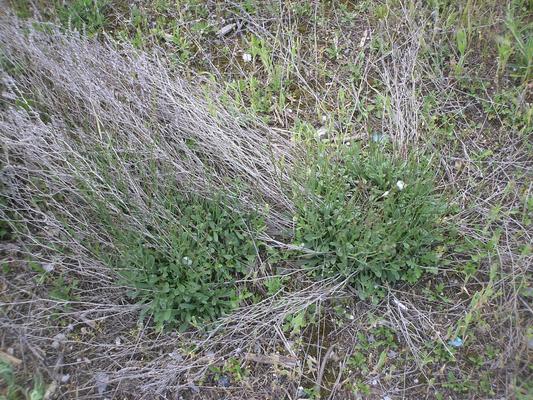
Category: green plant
<point>84,15</point>
<point>505,49</point>
<point>5,229</point>
<point>183,47</point>
<point>21,8</point>
<point>508,108</point>
<point>192,278</point>
<point>461,40</point>
<point>372,220</point>
<point>234,367</point>
<point>273,285</point>
<point>11,389</point>
<point>63,290</point>
<point>520,31</point>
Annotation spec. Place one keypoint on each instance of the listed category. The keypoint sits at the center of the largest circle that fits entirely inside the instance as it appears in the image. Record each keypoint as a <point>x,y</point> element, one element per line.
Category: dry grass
<point>84,95</point>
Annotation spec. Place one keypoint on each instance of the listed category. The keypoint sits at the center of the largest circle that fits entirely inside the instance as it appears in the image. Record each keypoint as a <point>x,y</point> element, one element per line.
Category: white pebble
<point>400,185</point>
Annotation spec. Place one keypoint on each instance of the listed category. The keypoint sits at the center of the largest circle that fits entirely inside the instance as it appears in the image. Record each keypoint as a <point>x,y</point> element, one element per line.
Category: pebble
<point>101,381</point>
<point>300,393</point>
<point>224,381</point>
<point>457,342</point>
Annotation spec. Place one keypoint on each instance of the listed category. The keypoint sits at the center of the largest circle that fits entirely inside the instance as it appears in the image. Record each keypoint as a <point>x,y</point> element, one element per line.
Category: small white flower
<point>400,185</point>
<point>247,57</point>
<point>187,261</point>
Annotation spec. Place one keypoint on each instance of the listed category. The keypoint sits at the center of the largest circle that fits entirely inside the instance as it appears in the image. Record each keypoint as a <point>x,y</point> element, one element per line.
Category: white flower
<point>400,185</point>
<point>247,57</point>
<point>187,261</point>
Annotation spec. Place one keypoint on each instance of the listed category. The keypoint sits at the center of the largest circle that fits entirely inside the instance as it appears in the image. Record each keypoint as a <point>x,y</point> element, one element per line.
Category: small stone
<point>50,390</point>
<point>400,185</point>
<point>101,380</point>
<point>300,393</point>
<point>226,29</point>
<point>322,132</point>
<point>48,267</point>
<point>457,342</point>
<point>379,138</point>
<point>224,381</point>
<point>176,356</point>
<point>193,387</point>
<point>60,337</point>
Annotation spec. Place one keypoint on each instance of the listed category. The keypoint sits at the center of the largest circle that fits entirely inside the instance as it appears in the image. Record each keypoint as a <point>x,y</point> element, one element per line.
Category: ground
<point>449,80</point>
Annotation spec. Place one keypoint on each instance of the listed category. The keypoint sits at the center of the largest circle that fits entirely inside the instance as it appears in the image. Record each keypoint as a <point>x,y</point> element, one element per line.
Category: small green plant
<point>183,47</point>
<point>373,220</point>
<point>5,229</point>
<point>235,368</point>
<point>508,109</point>
<point>461,40</point>
<point>21,8</point>
<point>273,285</point>
<point>520,30</point>
<point>505,49</point>
<point>63,290</point>
<point>192,278</point>
<point>11,388</point>
<point>84,15</point>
